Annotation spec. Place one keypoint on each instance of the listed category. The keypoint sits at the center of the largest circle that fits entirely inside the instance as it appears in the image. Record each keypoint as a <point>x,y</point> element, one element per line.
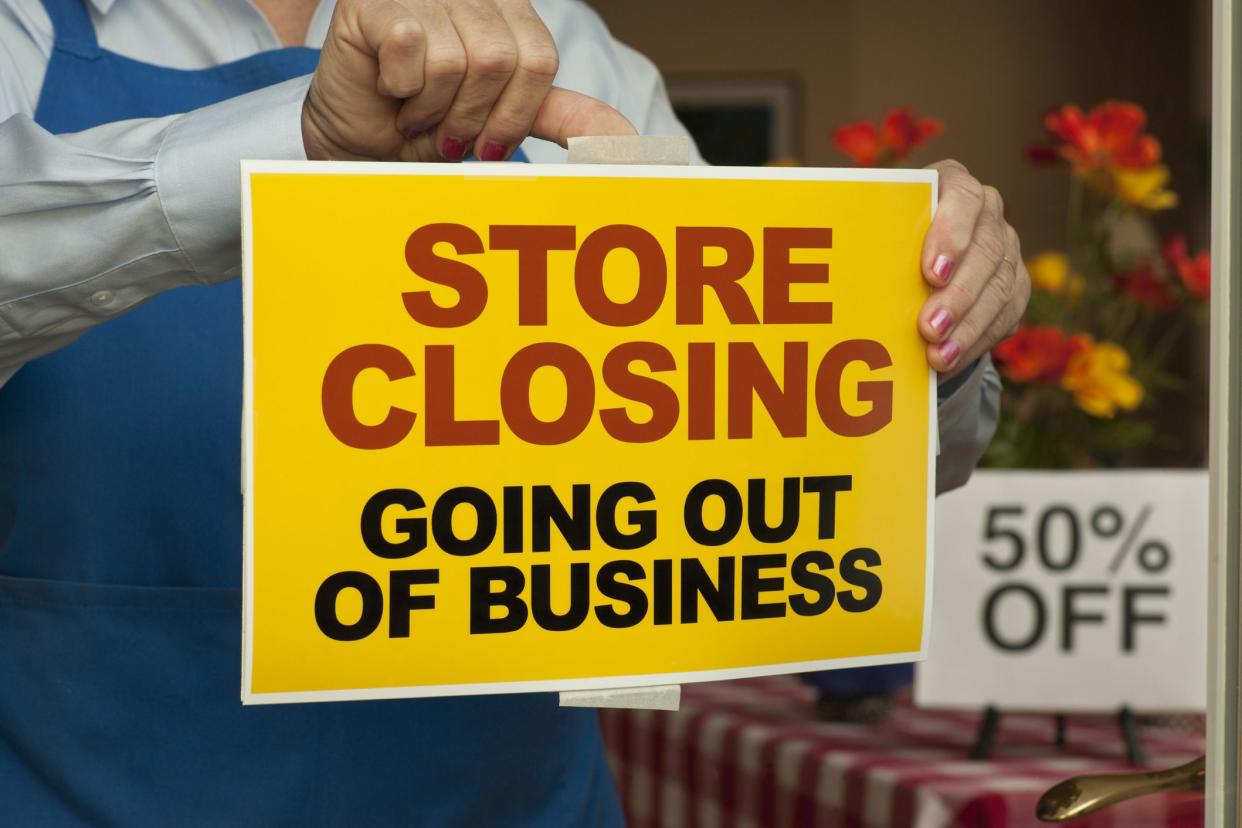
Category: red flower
<point>1196,273</point>
<point>1147,288</point>
<point>899,134</point>
<point>860,142</point>
<point>1038,354</point>
<point>1110,136</point>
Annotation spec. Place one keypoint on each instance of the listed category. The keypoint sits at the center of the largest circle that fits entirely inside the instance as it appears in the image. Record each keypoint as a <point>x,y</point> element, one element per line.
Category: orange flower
<point>1038,354</point>
<point>1099,378</point>
<point>1142,188</point>
<point>1196,273</point>
<point>1110,136</point>
<point>899,134</point>
<point>1147,288</point>
<point>1050,273</point>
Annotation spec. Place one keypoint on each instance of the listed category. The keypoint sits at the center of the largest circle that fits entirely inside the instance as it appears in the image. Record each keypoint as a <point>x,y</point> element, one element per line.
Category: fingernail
<point>949,352</point>
<point>411,133</point>
<point>943,267</point>
<point>940,321</point>
<point>454,149</point>
<point>494,152</point>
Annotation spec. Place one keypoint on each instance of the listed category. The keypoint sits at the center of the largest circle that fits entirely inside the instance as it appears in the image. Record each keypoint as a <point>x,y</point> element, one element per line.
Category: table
<point>752,754</point>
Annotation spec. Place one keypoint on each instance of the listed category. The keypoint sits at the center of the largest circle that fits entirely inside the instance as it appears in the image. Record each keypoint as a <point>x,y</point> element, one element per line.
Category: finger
<point>491,57</point>
<point>444,67</point>
<point>566,114</point>
<point>993,317</point>
<point>399,53</point>
<point>366,42</point>
<point>960,202</point>
<point>983,257</point>
<point>511,118</point>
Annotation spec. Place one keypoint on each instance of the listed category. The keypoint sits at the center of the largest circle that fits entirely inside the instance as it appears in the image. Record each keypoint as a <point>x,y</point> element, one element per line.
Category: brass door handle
<point>1083,795</point>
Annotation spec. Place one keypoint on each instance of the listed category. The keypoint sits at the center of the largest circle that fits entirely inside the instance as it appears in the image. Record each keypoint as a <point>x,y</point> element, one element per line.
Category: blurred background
<point>988,70</point>
<point>772,82</point>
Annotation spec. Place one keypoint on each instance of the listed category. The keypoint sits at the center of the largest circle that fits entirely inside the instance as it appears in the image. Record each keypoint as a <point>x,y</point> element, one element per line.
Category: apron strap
<point>74,31</point>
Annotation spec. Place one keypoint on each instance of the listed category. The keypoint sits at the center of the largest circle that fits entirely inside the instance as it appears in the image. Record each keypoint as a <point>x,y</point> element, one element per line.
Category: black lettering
<point>693,512</point>
<point>414,530</point>
<point>442,521</point>
<point>642,521</point>
<point>989,618</point>
<point>401,603</point>
<point>662,592</point>
<point>757,506</point>
<point>514,520</point>
<point>869,582</point>
<point>482,599</point>
<point>372,606</point>
<point>754,586</point>
<point>1131,617</point>
<point>541,597</point>
<point>819,584</point>
<point>695,582</point>
<point>546,508</point>
<point>606,580</point>
<point>1070,616</point>
<point>827,489</point>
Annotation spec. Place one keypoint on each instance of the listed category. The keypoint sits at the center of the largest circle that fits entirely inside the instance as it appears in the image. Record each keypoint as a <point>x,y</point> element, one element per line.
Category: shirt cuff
<point>198,174</point>
<point>945,389</point>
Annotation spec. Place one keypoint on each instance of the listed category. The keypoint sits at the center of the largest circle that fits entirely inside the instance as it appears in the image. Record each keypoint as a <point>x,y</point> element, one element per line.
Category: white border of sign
<point>501,169</point>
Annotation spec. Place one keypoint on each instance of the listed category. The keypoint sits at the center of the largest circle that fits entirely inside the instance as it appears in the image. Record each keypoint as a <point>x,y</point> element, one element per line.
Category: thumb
<point>566,114</point>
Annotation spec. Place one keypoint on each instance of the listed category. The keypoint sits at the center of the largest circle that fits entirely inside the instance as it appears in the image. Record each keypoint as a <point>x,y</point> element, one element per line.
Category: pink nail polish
<point>493,151</point>
<point>943,268</point>
<point>411,133</point>
<point>941,321</point>
<point>454,149</point>
<point>949,352</point>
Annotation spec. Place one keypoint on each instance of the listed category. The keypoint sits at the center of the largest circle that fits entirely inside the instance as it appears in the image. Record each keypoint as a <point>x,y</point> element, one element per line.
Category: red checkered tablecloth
<point>752,754</point>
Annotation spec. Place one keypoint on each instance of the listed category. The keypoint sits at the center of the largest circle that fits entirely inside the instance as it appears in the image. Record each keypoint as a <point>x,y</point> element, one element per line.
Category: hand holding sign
<point>433,80</point>
<point>972,258</point>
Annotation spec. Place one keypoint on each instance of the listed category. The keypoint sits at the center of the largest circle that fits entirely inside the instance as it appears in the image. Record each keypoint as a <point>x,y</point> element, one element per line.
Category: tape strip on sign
<point>632,149</point>
<point>522,428</point>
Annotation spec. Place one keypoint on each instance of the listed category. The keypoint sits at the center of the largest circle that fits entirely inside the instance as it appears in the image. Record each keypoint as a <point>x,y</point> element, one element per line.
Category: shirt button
<point>101,298</point>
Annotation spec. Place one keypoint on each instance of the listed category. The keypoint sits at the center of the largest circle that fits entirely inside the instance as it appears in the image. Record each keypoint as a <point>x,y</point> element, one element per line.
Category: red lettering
<point>779,273</point>
<point>469,284</point>
<point>338,397</point>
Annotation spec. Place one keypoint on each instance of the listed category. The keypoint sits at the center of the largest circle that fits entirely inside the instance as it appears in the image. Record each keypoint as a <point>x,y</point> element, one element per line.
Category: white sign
<point>1070,591</point>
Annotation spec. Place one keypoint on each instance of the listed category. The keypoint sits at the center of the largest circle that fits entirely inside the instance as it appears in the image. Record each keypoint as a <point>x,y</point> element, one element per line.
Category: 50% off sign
<point>1070,591</point>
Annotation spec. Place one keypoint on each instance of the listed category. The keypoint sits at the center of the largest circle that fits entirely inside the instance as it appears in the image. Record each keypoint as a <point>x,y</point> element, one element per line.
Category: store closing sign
<point>516,428</point>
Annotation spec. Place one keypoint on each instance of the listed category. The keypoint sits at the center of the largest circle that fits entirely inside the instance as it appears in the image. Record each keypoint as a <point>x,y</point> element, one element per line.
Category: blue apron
<point>120,527</point>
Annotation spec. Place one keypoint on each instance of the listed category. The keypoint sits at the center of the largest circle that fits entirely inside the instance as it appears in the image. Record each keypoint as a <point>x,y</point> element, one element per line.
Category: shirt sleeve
<point>93,224</point>
<point>967,422</point>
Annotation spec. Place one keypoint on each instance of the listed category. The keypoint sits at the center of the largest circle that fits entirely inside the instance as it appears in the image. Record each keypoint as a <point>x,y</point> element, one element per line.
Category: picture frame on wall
<point>741,120</point>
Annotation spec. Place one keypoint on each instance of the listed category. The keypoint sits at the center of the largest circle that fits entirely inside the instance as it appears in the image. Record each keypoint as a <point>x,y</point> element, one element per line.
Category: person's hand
<point>434,80</point>
<point>972,259</point>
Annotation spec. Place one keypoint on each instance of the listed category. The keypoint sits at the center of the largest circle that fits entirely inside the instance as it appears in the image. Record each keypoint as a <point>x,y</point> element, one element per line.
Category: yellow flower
<point>1145,187</point>
<point>1050,271</point>
<point>1098,377</point>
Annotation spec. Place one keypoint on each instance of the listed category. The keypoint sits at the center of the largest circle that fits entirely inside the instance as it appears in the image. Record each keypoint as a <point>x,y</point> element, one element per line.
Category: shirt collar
<point>102,6</point>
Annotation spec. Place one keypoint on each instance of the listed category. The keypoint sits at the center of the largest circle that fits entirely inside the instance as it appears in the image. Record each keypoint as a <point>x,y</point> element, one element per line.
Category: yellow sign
<point>516,428</point>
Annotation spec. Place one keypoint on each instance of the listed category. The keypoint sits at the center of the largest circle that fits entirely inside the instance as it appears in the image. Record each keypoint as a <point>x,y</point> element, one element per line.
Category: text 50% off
<point>1054,588</point>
